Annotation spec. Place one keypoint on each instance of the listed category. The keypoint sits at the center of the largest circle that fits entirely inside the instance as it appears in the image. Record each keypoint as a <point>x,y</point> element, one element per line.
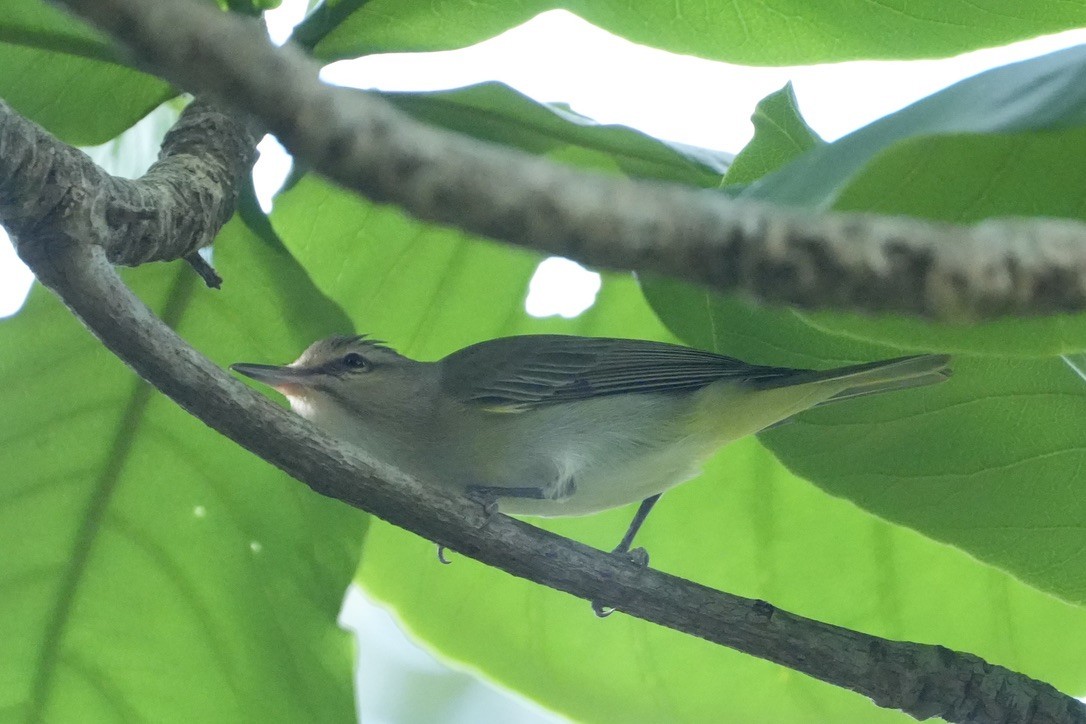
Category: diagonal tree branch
<point>919,679</point>
<point>842,261</point>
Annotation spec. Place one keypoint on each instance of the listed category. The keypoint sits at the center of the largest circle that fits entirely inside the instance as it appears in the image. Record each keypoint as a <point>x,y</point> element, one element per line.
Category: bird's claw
<point>600,610</point>
<point>441,555</point>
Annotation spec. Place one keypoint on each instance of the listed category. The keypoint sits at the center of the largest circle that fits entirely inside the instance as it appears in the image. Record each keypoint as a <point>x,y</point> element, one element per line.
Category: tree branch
<point>842,261</point>
<point>49,189</point>
<point>918,679</point>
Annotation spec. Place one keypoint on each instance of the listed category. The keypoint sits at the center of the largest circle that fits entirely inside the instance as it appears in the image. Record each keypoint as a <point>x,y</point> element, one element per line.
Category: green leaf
<point>993,145</point>
<point>986,462</point>
<point>964,179</point>
<point>330,245</point>
<point>745,31</point>
<point>65,76</point>
<point>323,19</point>
<point>251,8</point>
<point>746,526</point>
<point>152,569</point>
<point>495,112</point>
<point>33,24</point>
<point>1041,94</point>
<point>780,135</point>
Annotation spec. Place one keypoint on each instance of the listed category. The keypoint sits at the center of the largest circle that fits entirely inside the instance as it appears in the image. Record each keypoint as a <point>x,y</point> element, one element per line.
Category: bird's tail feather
<point>874,377</point>
<point>895,374</point>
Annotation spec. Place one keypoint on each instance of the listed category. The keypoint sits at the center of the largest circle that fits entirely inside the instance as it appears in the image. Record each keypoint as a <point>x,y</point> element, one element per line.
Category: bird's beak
<point>288,380</point>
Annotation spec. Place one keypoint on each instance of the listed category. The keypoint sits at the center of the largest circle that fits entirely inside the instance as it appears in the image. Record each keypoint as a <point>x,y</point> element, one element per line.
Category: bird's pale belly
<point>612,483</point>
<point>585,463</point>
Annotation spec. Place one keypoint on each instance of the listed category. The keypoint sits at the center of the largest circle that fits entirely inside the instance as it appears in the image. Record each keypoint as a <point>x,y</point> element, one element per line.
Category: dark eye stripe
<point>337,367</point>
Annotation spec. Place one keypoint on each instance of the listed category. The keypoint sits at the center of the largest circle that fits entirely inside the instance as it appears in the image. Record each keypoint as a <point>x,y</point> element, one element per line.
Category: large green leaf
<point>956,462</point>
<point>987,462</point>
<point>153,570</point>
<point>1041,94</point>
<point>322,20</point>
<point>36,24</point>
<point>964,179</point>
<point>993,145</point>
<point>63,75</point>
<point>746,526</point>
<point>495,112</point>
<point>741,31</point>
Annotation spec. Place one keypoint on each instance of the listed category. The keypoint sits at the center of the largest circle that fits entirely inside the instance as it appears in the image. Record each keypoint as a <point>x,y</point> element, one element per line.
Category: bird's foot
<point>486,498</point>
<point>638,557</point>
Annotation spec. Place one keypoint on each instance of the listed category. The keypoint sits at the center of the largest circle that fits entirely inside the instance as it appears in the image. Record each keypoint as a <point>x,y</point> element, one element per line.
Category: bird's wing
<point>515,374</point>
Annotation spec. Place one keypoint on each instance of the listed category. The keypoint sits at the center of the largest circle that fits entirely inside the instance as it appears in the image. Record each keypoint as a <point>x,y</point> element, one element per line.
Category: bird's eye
<point>355,361</point>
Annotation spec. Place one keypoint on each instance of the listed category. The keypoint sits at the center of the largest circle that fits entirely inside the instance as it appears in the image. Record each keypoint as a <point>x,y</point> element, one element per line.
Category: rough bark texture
<point>919,679</point>
<point>49,190</point>
<point>841,261</point>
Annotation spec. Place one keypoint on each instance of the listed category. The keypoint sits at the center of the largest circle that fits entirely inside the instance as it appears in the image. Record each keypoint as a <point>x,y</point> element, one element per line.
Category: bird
<point>561,425</point>
<point>552,424</point>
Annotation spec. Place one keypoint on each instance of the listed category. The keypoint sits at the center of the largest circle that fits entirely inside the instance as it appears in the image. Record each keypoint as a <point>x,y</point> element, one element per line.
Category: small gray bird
<point>556,425</point>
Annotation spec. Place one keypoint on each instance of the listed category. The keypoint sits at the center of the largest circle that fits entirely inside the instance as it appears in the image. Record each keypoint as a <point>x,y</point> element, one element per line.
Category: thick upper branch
<point>843,261</point>
<point>50,190</point>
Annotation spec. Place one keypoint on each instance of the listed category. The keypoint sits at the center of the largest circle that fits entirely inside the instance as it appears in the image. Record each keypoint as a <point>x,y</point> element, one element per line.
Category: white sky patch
<point>15,278</point>
<point>281,20</point>
<point>270,171</point>
<point>390,666</point>
<point>561,287</point>
<point>677,97</point>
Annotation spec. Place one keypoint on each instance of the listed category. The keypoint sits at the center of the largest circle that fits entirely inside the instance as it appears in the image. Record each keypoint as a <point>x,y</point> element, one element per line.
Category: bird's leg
<point>638,556</point>
<point>635,525</point>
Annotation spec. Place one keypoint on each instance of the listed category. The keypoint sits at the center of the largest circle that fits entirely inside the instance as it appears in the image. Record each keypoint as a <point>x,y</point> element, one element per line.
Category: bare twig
<point>205,270</point>
<point>919,679</point>
<point>843,261</point>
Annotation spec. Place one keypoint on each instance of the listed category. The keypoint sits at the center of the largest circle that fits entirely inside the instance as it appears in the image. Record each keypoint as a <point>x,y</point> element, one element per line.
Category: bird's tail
<point>888,375</point>
<point>875,377</point>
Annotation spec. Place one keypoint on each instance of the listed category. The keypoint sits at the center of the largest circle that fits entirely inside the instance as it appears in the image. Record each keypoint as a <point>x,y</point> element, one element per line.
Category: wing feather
<point>520,373</point>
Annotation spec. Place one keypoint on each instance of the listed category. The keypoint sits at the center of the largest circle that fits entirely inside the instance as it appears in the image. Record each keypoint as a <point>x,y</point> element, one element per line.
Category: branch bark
<point>843,261</point>
<point>50,190</point>
<point>67,253</point>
